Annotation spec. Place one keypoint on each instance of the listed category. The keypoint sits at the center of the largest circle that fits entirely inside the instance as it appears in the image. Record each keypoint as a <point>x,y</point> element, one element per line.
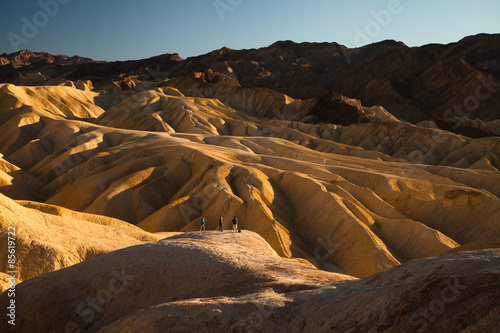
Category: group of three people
<point>221,224</point>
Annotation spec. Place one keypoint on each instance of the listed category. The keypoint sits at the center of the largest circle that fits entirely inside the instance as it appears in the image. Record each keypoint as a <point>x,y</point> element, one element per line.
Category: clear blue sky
<point>125,29</point>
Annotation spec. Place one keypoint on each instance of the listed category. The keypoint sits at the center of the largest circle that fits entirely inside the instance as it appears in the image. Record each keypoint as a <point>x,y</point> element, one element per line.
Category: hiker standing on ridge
<point>221,222</point>
<point>235,224</point>
<point>202,224</point>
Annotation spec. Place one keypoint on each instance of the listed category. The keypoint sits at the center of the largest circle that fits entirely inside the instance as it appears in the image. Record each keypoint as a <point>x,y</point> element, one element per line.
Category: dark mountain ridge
<point>443,83</point>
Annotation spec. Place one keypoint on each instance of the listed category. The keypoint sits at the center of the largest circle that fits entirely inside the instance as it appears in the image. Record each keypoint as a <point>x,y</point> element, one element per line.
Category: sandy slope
<point>226,282</point>
<point>456,293</point>
<point>358,199</point>
<point>49,238</point>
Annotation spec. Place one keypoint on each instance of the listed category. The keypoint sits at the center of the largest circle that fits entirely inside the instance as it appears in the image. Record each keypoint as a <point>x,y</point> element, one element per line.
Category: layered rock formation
<point>94,173</point>
<point>368,194</point>
<point>457,85</point>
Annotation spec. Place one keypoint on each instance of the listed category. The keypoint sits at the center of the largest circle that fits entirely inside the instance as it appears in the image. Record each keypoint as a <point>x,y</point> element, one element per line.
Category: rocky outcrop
<point>458,80</point>
<point>451,293</point>
<point>332,108</point>
<point>49,238</point>
<point>230,282</point>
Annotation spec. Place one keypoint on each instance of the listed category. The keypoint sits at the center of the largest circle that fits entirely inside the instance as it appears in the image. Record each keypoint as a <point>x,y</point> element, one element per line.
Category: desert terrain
<point>366,183</point>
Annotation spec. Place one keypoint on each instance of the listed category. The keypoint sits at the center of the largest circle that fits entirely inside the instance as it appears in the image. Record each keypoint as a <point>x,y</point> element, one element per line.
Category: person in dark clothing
<point>202,224</point>
<point>235,224</point>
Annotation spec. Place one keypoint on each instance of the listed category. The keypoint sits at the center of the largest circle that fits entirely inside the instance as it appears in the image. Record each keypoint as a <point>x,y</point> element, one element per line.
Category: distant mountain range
<point>454,85</point>
<point>26,60</point>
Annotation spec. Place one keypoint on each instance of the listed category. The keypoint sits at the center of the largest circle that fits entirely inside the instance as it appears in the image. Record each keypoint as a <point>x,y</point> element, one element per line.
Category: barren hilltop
<point>366,183</point>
